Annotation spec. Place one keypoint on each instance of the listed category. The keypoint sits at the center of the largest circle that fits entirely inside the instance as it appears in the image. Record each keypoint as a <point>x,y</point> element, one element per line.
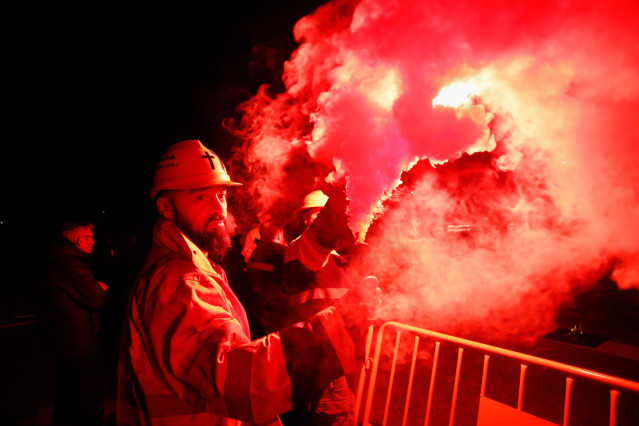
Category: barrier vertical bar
<point>362,373</point>
<point>431,387</point>
<point>410,380</point>
<point>372,381</point>
<point>391,379</point>
<point>613,406</point>
<point>484,376</point>
<point>567,401</point>
<point>456,386</point>
<point>522,381</point>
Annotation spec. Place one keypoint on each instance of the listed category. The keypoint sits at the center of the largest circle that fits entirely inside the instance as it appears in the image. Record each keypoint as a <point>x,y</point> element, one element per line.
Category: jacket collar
<point>167,234</point>
<point>60,246</point>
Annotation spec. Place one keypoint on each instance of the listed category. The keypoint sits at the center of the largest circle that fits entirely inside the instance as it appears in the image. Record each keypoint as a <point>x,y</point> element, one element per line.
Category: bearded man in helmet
<point>186,354</point>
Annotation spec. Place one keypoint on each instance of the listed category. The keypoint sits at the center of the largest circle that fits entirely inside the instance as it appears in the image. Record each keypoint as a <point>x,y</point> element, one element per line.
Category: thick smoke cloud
<point>516,127</point>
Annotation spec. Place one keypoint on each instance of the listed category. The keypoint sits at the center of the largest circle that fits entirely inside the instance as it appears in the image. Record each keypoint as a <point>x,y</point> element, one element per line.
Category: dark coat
<point>71,302</point>
<point>264,273</point>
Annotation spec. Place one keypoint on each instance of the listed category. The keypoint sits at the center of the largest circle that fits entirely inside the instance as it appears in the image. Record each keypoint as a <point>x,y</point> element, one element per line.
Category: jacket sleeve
<point>199,350</point>
<point>258,378</point>
<point>80,284</point>
<point>307,251</point>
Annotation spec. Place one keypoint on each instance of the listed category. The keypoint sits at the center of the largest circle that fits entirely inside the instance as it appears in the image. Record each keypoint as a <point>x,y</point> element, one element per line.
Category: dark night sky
<point>96,93</point>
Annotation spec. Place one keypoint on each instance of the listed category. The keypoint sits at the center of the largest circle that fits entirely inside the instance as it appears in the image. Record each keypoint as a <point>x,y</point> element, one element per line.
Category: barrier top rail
<point>612,380</point>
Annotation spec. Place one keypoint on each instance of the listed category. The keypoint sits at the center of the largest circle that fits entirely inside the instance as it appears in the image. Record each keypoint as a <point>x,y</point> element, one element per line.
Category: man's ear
<point>165,208</point>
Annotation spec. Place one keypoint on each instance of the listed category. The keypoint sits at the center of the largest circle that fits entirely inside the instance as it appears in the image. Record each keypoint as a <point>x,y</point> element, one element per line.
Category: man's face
<point>85,240</point>
<point>201,215</point>
<point>310,214</point>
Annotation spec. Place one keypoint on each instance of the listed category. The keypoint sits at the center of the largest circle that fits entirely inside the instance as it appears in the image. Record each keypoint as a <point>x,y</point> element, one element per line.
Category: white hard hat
<point>314,199</point>
<point>189,165</point>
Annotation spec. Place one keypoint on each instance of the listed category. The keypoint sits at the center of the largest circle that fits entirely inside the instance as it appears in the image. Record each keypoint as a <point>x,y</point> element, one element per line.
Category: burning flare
<point>455,95</point>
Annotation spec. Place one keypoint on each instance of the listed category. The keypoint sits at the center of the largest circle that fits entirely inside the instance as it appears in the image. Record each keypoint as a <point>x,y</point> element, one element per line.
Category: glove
<point>330,227</point>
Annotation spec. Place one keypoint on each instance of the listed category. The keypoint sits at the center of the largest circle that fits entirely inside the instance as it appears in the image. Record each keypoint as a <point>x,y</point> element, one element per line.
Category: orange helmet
<point>189,165</point>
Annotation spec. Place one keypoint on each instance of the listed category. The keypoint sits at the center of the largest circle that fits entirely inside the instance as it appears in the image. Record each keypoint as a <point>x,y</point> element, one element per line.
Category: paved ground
<point>610,344</point>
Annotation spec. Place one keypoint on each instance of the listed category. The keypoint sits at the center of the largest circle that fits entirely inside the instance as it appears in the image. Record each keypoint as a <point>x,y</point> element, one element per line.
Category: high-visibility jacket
<point>187,357</point>
<point>315,277</point>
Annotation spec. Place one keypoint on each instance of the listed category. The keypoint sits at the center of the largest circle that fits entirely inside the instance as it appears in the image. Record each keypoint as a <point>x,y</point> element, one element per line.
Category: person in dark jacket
<point>73,298</point>
<point>264,273</point>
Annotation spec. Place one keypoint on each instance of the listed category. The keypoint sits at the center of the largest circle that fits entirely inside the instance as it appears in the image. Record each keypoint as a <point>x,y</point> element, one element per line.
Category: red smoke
<point>520,123</point>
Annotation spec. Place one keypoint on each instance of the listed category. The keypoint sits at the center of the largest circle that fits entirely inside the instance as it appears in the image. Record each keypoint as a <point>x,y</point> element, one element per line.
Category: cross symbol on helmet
<point>210,158</point>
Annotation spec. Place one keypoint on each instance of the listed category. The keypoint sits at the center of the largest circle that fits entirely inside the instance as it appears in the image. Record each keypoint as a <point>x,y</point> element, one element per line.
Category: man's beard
<point>216,242</point>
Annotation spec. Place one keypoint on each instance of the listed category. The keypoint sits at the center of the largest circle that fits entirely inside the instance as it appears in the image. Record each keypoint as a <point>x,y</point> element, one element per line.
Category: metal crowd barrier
<point>489,411</point>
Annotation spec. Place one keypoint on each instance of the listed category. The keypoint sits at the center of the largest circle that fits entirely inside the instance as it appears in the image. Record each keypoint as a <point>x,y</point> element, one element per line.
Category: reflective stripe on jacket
<point>316,294</point>
<point>186,354</point>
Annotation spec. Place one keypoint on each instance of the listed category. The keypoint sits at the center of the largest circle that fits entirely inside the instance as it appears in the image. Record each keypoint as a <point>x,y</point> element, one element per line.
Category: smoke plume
<point>489,149</point>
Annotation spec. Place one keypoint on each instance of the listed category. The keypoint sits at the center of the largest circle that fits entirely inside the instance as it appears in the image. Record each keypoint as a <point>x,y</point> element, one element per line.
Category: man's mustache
<point>216,218</point>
